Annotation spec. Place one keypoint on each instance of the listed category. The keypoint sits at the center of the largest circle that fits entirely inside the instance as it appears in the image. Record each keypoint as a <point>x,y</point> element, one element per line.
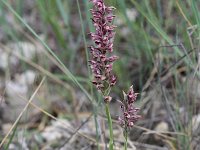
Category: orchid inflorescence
<point>130,115</point>
<point>101,63</point>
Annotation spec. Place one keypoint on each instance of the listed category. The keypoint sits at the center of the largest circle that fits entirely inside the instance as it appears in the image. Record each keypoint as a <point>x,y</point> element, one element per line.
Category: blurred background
<point>47,100</point>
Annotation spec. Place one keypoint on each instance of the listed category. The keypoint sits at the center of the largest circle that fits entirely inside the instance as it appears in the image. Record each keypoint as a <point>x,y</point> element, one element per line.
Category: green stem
<point>96,126</point>
<point>111,143</point>
<point>126,139</point>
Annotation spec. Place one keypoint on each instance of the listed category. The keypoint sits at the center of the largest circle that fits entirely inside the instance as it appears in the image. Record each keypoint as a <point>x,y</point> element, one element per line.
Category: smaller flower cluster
<point>101,63</point>
<point>130,115</point>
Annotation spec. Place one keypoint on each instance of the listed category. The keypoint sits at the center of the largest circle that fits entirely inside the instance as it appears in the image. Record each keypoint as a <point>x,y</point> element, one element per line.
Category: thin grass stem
<point>111,143</point>
<point>126,139</point>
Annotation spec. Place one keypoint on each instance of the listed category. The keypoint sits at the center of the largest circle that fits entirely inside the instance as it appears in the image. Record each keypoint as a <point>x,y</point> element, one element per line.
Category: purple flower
<point>130,115</point>
<point>101,59</point>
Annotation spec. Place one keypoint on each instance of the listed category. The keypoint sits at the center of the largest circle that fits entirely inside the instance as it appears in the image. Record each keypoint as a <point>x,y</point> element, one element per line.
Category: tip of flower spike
<point>124,94</point>
<point>130,115</point>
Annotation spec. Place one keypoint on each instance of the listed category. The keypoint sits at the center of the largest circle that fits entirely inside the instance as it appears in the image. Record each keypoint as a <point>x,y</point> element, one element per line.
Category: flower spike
<point>101,63</point>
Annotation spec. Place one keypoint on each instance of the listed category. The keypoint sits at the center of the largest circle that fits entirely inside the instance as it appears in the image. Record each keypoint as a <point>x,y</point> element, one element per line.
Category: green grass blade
<point>155,25</point>
<point>62,12</point>
<point>67,72</point>
<point>162,33</point>
<point>197,16</point>
<point>11,137</point>
<point>84,38</point>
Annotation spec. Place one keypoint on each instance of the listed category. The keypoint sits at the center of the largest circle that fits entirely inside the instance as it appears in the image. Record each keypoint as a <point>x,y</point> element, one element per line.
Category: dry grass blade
<point>20,115</point>
<point>161,134</point>
<point>197,70</point>
<point>68,140</point>
<point>68,128</point>
<point>1,97</point>
<point>182,13</point>
<point>148,146</point>
<point>178,61</point>
<point>38,67</point>
<point>68,87</point>
<point>42,70</point>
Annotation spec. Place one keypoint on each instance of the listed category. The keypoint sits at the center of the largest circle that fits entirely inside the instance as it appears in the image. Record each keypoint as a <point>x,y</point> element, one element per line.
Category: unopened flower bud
<point>107,99</point>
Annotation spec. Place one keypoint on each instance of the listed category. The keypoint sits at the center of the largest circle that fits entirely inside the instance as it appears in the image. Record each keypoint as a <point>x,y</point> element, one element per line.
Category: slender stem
<point>126,139</point>
<point>126,131</point>
<point>96,126</point>
<point>111,143</point>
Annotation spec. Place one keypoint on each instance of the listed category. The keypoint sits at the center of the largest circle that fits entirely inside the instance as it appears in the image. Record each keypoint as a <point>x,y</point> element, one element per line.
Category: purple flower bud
<point>103,58</point>
<point>112,58</point>
<point>110,47</point>
<point>121,121</point>
<point>110,18</point>
<point>130,124</point>
<point>109,67</point>
<point>113,80</point>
